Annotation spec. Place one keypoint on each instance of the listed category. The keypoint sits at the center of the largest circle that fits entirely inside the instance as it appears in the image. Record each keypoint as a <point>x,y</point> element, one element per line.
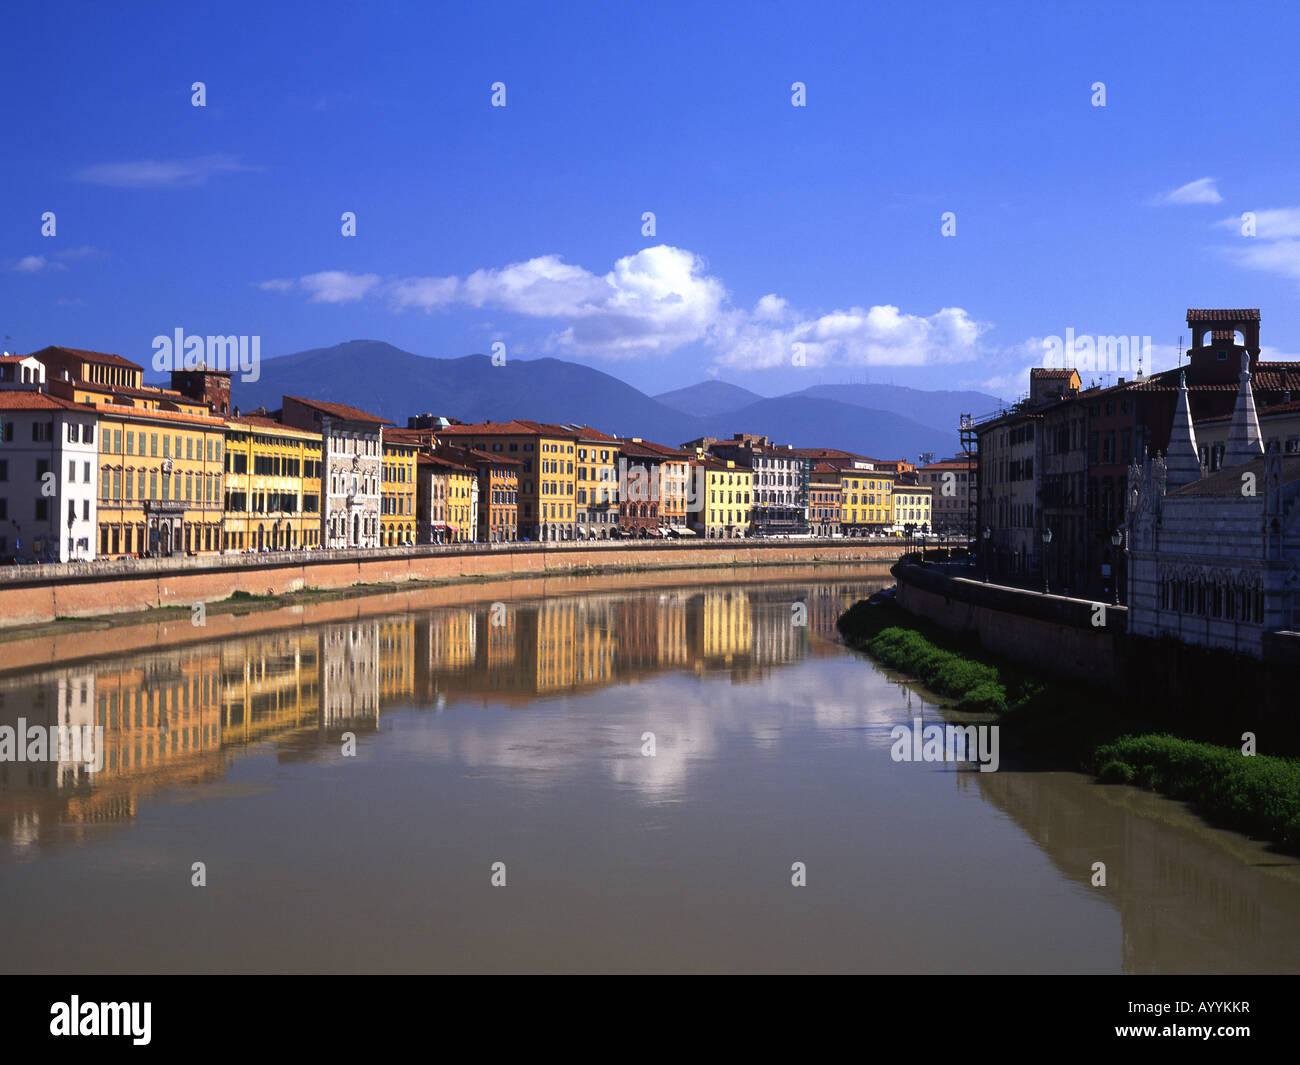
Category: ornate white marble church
<point>1215,560</point>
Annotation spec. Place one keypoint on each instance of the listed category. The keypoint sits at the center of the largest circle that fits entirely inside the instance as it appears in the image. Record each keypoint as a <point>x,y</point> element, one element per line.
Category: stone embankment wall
<point>32,595</point>
<point>1076,638</point>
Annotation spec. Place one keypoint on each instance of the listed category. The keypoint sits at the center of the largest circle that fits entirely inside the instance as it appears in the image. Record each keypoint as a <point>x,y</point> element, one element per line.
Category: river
<point>617,776</point>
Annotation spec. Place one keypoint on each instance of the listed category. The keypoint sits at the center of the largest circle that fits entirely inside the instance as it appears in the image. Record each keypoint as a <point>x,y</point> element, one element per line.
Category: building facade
<point>272,495</point>
<point>1008,487</point>
<point>352,473</point>
<point>49,469</point>
<point>912,503</point>
<point>596,484</point>
<point>825,493</point>
<point>953,494</point>
<point>547,472</point>
<point>397,486</point>
<point>781,478</point>
<point>1215,559</point>
<point>723,512</point>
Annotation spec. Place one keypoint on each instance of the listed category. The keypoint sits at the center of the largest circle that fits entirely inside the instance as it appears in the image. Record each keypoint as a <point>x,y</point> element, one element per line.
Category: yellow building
<point>462,502</point>
<point>547,472</point>
<point>596,474</point>
<point>912,506</point>
<point>397,502</point>
<point>160,457</point>
<point>722,511</point>
<point>272,498</point>
<point>723,631</point>
<point>396,659</point>
<point>270,686</point>
<point>865,500</point>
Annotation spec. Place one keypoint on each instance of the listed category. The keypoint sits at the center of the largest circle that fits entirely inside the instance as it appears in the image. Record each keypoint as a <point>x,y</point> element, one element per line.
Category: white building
<point>49,468</point>
<point>1215,560</point>
<point>352,474</point>
<point>21,371</point>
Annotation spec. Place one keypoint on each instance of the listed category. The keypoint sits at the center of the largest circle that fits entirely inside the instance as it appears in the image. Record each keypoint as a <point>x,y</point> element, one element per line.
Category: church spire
<point>1245,442</point>
<point>1184,461</point>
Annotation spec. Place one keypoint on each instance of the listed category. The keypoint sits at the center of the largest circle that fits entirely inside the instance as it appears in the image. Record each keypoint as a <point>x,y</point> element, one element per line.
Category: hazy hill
<point>940,409</point>
<point>708,397</point>
<point>393,383</point>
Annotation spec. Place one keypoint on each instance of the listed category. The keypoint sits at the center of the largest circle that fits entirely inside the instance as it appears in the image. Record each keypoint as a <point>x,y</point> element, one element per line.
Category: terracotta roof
<point>950,464</point>
<point>1241,314</point>
<point>710,462</point>
<point>116,410</point>
<point>479,455</point>
<point>265,421</point>
<point>93,356</point>
<point>15,358</point>
<point>20,399</point>
<point>646,449</point>
<point>588,433</point>
<point>146,392</point>
<point>340,410</point>
<point>516,427</point>
<point>424,459</point>
<point>1042,371</point>
<point>827,453</point>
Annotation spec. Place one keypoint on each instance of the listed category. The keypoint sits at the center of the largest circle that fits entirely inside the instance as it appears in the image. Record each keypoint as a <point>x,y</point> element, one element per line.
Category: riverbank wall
<point>1074,638</point>
<point>1086,640</point>
<point>35,595</point>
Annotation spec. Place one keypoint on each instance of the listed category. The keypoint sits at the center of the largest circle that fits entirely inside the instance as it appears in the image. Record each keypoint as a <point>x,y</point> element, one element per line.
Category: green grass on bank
<point>1259,794</point>
<point>1092,729</point>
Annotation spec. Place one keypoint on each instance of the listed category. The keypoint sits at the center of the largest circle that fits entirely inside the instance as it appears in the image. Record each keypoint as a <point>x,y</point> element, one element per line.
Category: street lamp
<point>1047,539</point>
<point>988,535</point>
<point>1116,538</point>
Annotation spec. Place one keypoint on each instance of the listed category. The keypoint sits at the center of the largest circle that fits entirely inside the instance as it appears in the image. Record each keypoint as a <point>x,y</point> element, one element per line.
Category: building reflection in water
<point>175,718</point>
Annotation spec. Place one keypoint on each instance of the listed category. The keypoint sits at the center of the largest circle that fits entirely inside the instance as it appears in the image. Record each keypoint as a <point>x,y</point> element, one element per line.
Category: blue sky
<point>793,245</point>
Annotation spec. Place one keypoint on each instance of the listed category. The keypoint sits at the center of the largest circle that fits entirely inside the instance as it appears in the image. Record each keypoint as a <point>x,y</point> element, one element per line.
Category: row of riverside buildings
<point>1172,492</point>
<point>95,464</point>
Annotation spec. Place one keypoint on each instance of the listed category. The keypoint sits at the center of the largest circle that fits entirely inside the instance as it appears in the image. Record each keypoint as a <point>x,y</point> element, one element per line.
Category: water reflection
<point>176,717</point>
<point>515,727</point>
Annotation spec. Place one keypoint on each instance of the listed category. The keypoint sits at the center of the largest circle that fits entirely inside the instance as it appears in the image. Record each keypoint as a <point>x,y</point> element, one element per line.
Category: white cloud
<point>162,173</point>
<point>1274,257</point>
<point>661,299</point>
<point>337,286</point>
<point>35,264</point>
<point>1274,246</point>
<point>1273,223</point>
<point>1201,191</point>
<point>877,336</point>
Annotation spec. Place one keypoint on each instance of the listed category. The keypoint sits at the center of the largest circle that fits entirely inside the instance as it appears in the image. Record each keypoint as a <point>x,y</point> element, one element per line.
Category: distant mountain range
<point>884,421</point>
